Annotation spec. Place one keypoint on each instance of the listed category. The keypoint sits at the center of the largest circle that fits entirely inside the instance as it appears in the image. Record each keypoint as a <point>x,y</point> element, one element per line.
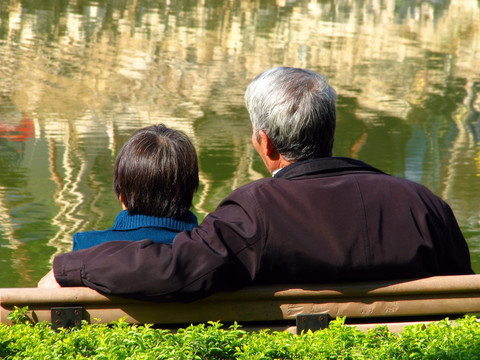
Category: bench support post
<point>312,322</point>
<point>67,317</point>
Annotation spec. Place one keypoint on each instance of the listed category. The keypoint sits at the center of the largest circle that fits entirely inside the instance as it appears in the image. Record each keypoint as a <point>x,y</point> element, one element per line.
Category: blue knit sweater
<point>136,227</point>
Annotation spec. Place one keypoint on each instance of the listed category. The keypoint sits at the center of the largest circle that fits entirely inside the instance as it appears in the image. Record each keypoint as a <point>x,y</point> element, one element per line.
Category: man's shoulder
<point>406,183</point>
<point>256,185</point>
<point>371,180</point>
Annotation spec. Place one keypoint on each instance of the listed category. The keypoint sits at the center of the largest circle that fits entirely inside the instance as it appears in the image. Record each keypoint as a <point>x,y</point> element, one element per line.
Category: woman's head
<point>156,172</point>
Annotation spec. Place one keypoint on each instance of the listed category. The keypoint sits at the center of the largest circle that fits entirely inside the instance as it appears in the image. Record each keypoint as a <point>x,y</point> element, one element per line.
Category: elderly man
<point>318,219</point>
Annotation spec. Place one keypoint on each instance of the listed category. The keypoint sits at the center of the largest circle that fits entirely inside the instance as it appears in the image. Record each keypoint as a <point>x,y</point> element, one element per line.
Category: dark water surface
<point>78,76</point>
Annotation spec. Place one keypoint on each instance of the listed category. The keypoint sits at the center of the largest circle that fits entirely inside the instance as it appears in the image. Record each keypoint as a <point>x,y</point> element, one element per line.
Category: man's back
<point>337,219</point>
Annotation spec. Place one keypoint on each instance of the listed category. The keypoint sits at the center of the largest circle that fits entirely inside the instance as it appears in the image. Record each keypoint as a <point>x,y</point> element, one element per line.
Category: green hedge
<point>442,340</point>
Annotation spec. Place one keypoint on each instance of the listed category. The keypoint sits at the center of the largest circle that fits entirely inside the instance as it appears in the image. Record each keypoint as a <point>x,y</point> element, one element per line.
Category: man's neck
<point>278,164</point>
<point>276,171</point>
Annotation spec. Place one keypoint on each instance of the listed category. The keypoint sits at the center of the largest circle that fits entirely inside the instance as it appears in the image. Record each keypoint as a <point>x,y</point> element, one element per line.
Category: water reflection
<point>78,76</point>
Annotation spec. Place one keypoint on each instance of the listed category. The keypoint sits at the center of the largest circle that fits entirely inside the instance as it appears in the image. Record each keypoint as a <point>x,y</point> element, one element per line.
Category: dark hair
<point>156,172</point>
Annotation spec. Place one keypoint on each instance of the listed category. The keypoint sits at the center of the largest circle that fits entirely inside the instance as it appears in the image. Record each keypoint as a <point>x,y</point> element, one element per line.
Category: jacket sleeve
<point>224,252</point>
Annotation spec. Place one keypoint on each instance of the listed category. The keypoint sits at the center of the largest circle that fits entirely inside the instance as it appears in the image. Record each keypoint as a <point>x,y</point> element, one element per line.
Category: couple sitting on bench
<point>318,219</point>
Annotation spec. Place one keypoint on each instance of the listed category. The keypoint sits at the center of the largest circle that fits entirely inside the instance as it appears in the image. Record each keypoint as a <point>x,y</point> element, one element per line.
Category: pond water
<point>77,77</point>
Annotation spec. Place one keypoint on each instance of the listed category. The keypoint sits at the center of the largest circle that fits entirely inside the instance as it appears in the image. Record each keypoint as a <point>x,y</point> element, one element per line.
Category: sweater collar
<point>125,221</point>
<point>326,166</point>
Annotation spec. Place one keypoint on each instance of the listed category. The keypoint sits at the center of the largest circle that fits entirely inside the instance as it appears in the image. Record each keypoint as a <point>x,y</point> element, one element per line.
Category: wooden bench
<point>293,307</point>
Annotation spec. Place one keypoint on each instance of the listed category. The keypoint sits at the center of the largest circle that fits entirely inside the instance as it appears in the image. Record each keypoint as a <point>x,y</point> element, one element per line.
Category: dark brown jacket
<point>324,220</point>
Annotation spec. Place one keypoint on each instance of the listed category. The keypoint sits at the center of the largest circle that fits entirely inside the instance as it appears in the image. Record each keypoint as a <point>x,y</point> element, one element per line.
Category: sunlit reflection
<point>87,74</point>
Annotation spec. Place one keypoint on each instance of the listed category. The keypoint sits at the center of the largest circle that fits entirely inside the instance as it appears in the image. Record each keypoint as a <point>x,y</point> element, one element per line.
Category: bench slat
<point>442,295</point>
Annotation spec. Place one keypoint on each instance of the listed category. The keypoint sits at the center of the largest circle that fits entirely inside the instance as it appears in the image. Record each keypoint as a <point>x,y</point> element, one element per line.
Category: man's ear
<point>267,145</point>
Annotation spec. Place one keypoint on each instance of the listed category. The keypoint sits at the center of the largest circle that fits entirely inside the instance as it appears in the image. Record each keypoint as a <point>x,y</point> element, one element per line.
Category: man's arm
<point>224,252</point>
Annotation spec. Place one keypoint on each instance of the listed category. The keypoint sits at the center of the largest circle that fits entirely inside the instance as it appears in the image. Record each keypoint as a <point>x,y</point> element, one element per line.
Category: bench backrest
<point>271,306</point>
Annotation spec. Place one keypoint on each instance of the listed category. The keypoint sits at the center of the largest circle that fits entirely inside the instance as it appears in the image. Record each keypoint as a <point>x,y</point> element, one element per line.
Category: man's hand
<point>48,281</point>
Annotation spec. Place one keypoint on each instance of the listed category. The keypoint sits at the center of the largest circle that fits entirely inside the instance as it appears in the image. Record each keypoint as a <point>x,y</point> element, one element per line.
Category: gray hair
<point>296,109</point>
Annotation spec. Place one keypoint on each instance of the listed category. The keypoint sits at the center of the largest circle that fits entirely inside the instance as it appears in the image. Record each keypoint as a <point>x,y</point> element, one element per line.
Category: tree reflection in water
<point>87,73</point>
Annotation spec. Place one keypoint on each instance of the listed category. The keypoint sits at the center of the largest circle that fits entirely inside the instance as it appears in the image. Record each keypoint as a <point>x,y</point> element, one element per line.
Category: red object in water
<point>22,132</point>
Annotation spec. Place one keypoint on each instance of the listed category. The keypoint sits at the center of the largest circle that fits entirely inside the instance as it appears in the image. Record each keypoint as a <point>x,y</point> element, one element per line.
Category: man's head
<point>295,108</point>
<point>156,172</point>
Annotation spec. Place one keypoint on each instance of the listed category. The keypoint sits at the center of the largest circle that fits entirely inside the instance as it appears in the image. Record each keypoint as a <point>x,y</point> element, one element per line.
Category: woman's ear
<point>123,203</point>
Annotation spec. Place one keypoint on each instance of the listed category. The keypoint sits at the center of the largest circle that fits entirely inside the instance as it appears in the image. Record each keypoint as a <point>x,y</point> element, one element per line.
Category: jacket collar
<point>327,166</point>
